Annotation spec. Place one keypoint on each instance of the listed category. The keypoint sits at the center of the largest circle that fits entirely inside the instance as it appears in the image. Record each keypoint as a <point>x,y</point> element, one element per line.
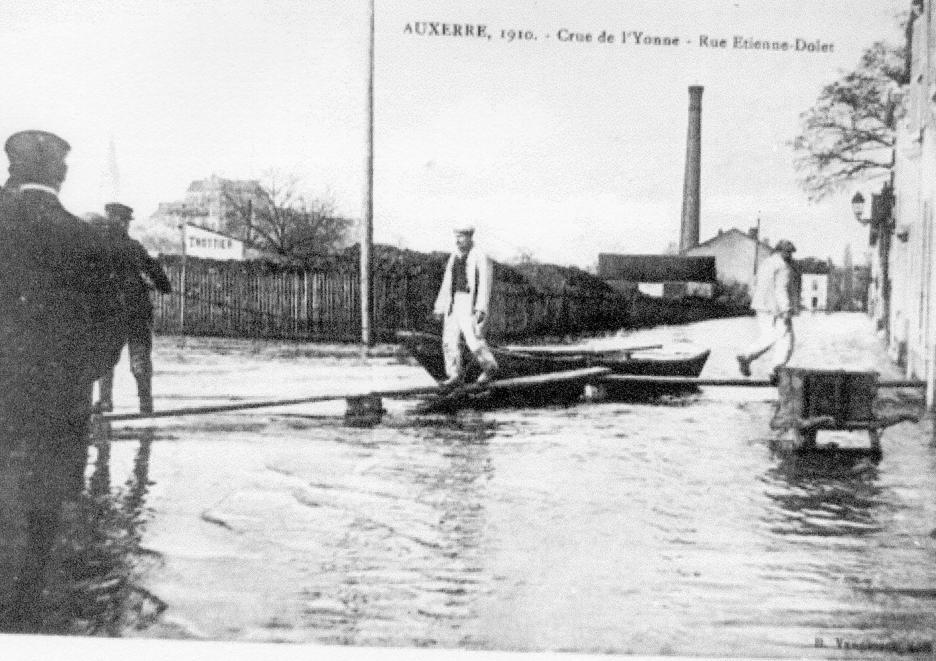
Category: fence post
<point>182,289</point>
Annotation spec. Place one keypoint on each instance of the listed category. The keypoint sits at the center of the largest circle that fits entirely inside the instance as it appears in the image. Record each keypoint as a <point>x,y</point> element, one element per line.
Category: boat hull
<point>512,363</point>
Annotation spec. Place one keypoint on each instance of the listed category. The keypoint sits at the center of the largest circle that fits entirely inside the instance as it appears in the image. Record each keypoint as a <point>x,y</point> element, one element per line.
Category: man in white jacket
<point>463,302</point>
<point>774,303</point>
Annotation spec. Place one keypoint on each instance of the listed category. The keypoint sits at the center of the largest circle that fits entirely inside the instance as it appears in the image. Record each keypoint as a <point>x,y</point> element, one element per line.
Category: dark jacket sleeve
<point>154,271</point>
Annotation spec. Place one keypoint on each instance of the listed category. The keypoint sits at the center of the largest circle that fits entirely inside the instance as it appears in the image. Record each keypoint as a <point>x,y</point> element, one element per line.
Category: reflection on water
<point>839,524</point>
<point>69,549</point>
<point>428,514</point>
<point>824,493</point>
<point>656,530</point>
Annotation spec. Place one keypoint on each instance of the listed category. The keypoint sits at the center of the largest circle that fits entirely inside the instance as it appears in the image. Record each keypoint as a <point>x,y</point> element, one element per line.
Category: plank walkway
<point>598,374</point>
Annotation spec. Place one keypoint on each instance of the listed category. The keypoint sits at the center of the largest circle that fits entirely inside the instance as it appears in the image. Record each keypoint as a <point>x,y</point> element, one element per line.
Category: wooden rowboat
<point>522,361</point>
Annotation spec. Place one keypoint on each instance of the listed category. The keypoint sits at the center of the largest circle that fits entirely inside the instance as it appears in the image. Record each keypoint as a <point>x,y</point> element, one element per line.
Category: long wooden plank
<point>749,383</point>
<point>265,403</point>
<point>520,382</point>
<point>459,397</point>
<point>526,382</point>
<point>576,350</point>
<point>503,384</point>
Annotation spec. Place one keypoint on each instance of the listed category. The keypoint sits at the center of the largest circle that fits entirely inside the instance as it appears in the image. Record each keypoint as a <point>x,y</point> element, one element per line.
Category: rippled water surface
<point>652,529</point>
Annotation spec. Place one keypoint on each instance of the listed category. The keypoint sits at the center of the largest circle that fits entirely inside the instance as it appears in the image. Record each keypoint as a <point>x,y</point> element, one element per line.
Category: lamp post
<point>881,224</point>
<point>857,204</point>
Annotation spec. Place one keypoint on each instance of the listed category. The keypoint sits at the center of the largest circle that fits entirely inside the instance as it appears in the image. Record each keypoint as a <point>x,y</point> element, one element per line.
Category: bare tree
<point>849,133</point>
<point>277,218</point>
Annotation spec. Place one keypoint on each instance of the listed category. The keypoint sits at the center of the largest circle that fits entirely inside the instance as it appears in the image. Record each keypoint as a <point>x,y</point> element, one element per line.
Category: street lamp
<point>881,221</point>
<point>857,203</point>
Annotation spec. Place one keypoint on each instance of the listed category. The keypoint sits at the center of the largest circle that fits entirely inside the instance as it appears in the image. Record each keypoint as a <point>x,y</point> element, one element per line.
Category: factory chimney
<point>689,229</point>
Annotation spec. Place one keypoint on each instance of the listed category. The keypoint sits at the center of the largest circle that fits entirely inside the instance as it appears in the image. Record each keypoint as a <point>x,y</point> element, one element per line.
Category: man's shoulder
<point>45,210</point>
<point>139,252</point>
<point>51,208</point>
<point>129,243</point>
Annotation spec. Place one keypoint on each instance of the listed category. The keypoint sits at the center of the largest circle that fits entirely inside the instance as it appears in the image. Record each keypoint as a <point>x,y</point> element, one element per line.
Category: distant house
<point>213,198</point>
<point>737,255</point>
<point>197,241</point>
<point>814,284</point>
<point>668,276</point>
<point>203,212</point>
<point>208,244</point>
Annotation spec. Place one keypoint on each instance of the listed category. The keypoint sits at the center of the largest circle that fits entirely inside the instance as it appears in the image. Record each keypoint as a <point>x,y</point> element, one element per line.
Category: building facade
<point>203,213</point>
<point>814,292</point>
<point>737,255</point>
<point>214,198</point>
<point>912,270</point>
<point>661,276</point>
<point>208,244</point>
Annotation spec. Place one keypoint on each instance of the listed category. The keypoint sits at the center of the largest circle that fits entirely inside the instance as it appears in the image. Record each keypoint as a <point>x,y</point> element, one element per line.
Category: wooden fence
<point>247,300</point>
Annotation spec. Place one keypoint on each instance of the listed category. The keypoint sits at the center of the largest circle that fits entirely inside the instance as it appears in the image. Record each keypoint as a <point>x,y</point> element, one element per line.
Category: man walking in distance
<point>774,302</point>
<point>463,302</point>
<point>142,274</point>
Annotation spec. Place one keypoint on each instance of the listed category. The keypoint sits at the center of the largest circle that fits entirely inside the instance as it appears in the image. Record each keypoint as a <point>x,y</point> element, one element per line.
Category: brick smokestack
<point>692,188</point>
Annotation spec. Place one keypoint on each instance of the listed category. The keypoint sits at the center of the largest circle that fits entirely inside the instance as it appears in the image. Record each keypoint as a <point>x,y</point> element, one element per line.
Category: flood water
<point>604,527</point>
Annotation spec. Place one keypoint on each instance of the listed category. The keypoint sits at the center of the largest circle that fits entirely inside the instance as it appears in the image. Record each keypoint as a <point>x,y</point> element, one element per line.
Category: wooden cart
<point>811,400</point>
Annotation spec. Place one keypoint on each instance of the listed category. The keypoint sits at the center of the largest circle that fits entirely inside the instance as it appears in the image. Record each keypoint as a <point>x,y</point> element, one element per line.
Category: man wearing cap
<point>59,313</point>
<point>463,302</point>
<point>142,274</point>
<point>774,301</point>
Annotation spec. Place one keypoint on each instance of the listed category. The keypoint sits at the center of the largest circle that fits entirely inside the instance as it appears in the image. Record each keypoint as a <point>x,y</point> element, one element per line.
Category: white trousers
<point>774,334</point>
<point>459,323</point>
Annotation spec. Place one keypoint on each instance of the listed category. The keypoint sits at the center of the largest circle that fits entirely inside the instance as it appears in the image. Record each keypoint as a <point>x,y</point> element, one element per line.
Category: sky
<point>555,149</point>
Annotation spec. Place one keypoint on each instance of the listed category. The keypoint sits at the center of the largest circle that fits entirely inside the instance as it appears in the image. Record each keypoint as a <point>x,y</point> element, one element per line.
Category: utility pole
<point>756,246</point>
<point>367,223</point>
<point>250,221</point>
<point>182,277</point>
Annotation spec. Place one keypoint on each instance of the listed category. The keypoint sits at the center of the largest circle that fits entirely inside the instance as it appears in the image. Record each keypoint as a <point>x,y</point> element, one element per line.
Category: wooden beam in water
<point>265,403</point>
<point>560,350</point>
<point>523,382</point>
<point>725,382</point>
<point>596,374</point>
<point>685,381</point>
<point>528,385</point>
<point>503,384</point>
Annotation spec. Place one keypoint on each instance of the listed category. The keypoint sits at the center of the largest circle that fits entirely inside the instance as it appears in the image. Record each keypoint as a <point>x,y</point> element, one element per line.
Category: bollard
<point>594,393</point>
<point>364,411</point>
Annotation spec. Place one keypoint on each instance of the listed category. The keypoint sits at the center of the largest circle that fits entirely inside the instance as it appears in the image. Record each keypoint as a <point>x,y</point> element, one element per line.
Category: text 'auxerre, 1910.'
<point>636,38</point>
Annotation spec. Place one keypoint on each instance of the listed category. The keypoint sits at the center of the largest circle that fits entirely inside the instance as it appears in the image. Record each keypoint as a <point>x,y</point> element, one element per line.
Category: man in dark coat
<point>60,314</point>
<point>142,274</point>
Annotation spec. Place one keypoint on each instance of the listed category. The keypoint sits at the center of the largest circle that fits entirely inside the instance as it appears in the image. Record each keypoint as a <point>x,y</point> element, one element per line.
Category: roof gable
<point>732,233</point>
